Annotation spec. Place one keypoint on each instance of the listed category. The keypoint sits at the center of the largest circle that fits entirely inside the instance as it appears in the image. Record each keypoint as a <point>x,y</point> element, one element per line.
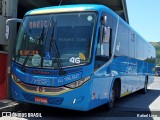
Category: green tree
<point>157,47</point>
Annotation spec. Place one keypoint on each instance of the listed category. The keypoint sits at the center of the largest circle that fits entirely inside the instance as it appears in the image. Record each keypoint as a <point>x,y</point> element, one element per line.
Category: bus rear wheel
<point>144,90</point>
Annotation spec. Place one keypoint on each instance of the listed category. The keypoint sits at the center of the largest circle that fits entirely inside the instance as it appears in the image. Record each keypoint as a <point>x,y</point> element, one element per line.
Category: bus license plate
<point>41,100</point>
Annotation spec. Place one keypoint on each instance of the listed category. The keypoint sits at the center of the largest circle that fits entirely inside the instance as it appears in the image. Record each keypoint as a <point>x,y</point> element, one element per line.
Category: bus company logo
<point>40,72</point>
<point>41,81</point>
<point>40,89</point>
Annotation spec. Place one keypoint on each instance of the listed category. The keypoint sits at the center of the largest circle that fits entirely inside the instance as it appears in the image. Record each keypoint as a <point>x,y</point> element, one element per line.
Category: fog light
<point>15,93</point>
<point>77,100</point>
<point>74,101</point>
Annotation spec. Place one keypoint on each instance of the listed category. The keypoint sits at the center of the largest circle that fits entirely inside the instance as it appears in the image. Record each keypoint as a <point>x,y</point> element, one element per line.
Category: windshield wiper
<point>25,61</point>
<point>57,56</point>
<point>55,49</point>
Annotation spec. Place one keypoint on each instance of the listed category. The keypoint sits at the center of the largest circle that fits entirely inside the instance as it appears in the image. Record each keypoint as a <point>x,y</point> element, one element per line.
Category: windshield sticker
<point>76,60</point>
<point>36,60</point>
<point>47,63</point>
<point>89,18</point>
<point>82,56</point>
<point>47,55</point>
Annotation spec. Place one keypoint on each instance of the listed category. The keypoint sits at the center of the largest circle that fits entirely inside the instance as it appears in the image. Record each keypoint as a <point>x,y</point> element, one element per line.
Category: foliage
<point>157,47</point>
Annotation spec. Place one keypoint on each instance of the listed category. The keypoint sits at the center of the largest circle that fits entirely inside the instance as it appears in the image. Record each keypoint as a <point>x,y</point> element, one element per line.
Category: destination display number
<point>28,52</point>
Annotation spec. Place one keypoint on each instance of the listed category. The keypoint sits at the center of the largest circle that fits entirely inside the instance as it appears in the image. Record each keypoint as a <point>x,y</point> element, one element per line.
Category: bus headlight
<point>15,78</point>
<point>78,83</point>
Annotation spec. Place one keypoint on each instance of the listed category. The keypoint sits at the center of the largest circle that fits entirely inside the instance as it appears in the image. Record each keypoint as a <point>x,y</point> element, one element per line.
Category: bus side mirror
<point>104,20</point>
<point>7,32</point>
<point>7,26</point>
<point>106,34</point>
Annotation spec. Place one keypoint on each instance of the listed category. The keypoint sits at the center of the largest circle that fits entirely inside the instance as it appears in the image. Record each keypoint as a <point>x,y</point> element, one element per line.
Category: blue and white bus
<point>78,57</point>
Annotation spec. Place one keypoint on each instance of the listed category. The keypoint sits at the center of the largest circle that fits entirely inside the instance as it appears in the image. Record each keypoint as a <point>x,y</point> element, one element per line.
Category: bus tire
<point>111,103</point>
<point>144,90</point>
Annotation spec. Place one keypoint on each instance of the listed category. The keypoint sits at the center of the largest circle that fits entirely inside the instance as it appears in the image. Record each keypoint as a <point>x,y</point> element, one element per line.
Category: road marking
<point>155,104</point>
<point>12,105</point>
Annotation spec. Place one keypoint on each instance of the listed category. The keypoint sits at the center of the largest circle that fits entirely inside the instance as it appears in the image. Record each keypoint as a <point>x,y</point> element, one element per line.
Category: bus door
<point>102,57</point>
<point>103,53</point>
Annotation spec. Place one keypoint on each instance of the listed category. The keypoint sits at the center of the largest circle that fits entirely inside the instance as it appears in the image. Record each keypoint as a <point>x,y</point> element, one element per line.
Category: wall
<point>9,10</point>
<point>2,31</point>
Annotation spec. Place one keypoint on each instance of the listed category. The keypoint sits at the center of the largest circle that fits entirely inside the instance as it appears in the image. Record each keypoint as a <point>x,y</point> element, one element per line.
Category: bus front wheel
<point>112,99</point>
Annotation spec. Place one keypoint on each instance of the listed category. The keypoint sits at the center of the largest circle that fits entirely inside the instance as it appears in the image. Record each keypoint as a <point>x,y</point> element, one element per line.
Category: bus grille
<point>45,89</point>
<point>51,100</point>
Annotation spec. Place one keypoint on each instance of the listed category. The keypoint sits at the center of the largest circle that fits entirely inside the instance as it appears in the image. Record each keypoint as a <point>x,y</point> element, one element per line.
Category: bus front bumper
<point>76,99</point>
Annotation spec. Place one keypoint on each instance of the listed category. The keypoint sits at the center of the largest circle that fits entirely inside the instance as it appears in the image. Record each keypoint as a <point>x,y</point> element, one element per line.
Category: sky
<point>144,17</point>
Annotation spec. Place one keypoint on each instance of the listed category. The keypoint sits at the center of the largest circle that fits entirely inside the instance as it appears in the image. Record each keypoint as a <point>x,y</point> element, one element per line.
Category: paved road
<point>130,106</point>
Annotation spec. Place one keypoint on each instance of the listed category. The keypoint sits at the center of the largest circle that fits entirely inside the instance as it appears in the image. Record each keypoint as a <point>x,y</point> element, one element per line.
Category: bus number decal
<point>68,78</point>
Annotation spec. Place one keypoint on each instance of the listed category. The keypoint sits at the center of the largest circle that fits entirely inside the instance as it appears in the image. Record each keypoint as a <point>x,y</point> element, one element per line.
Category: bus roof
<point>67,8</point>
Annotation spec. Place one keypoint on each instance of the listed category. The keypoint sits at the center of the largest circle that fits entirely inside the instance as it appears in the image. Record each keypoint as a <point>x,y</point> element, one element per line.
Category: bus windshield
<point>42,37</point>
